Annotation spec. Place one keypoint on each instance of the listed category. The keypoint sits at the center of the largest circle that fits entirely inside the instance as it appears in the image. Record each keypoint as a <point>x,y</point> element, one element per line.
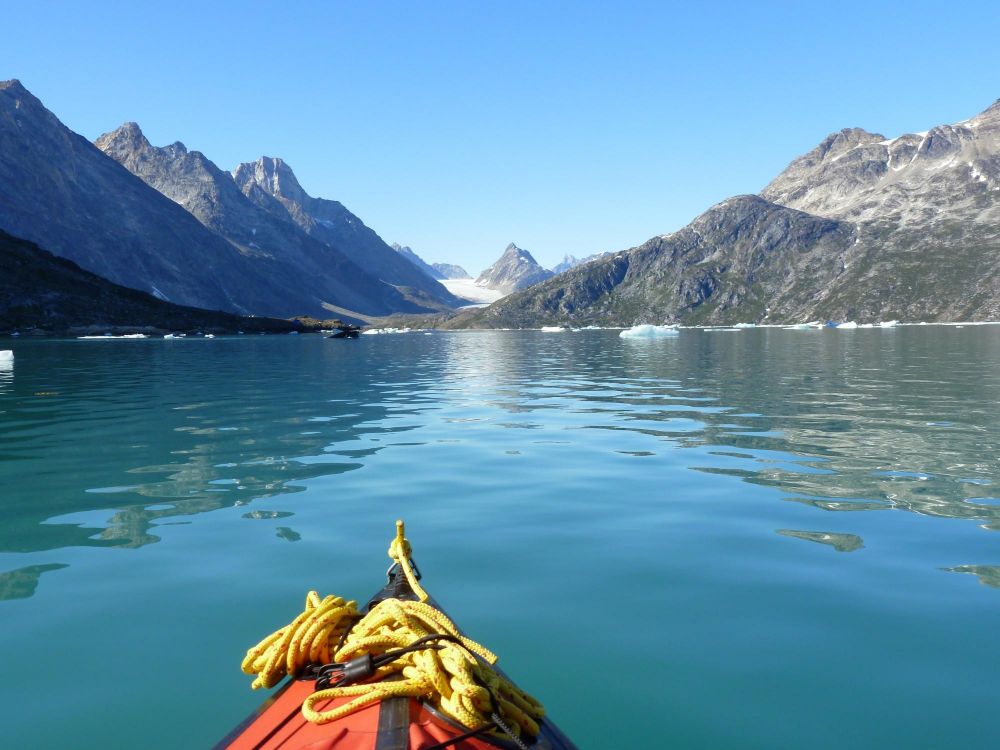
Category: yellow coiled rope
<point>448,675</point>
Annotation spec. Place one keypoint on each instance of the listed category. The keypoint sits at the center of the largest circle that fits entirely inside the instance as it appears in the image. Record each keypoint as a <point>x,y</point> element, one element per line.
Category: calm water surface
<point>729,539</point>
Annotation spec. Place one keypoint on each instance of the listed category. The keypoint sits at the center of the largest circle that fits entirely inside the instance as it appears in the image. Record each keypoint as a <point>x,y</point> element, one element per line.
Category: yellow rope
<point>447,675</point>
<point>401,552</point>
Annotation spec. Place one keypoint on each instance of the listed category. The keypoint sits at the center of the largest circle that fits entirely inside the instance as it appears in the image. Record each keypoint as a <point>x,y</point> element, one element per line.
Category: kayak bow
<point>396,675</point>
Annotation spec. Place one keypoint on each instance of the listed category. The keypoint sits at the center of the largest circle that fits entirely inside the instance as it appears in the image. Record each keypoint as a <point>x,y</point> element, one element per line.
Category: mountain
<point>516,269</point>
<point>41,291</point>
<point>571,261</point>
<point>568,262</point>
<point>314,275</point>
<point>416,260</point>
<point>860,228</point>
<point>439,271</point>
<point>451,271</point>
<point>271,185</point>
<point>59,191</point>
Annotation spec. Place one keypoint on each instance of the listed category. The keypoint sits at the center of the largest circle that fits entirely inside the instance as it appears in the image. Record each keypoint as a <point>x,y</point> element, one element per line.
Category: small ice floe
<point>647,331</point>
<point>848,325</point>
<point>293,333</point>
<point>745,325</point>
<point>552,329</point>
<point>209,335</point>
<point>175,336</point>
<point>379,331</point>
<point>888,324</point>
<point>805,326</point>
<point>6,359</point>
<point>106,336</point>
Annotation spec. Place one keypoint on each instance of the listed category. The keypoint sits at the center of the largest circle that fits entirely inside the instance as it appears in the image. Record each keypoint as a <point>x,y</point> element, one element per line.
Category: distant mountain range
<point>169,222</point>
<point>439,271</point>
<point>571,261</point>
<point>863,227</point>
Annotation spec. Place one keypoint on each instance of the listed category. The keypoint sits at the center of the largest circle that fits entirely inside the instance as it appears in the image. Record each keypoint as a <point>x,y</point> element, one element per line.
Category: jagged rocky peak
<point>273,175</point>
<point>863,176</point>
<point>270,184</point>
<point>127,137</point>
<point>516,269</point>
<point>837,143</point>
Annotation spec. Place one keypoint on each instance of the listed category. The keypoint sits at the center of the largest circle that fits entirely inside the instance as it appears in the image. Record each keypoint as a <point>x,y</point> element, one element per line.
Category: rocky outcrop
<point>271,185</point>
<point>516,269</point>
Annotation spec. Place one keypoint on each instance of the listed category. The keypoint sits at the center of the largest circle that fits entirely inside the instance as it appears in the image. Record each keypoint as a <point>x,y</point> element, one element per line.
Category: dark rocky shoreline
<point>43,295</point>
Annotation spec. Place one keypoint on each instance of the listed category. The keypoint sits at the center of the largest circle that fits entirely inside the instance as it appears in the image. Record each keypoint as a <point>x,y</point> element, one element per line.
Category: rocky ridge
<point>271,184</point>
<point>407,252</point>
<point>169,222</point>
<point>314,273</point>
<point>860,228</point>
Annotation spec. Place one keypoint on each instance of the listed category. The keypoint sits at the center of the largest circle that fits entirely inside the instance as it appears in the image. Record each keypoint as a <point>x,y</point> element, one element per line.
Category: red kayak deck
<point>279,725</point>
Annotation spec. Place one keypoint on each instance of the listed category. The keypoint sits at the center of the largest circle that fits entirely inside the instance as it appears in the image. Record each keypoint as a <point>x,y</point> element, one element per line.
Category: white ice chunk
<point>647,331</point>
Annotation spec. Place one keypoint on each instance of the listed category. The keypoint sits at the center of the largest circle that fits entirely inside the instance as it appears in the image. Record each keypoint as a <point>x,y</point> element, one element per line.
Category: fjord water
<point>726,539</point>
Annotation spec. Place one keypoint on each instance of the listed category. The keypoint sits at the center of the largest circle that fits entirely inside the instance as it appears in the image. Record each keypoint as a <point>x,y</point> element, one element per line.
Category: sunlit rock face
<point>862,228</point>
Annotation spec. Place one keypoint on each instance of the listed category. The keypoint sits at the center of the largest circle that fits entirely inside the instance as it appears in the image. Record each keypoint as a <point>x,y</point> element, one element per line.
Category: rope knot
<point>400,548</point>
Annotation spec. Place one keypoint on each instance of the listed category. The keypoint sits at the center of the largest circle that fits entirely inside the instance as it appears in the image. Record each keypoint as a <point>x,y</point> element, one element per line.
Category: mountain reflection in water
<point>901,419</point>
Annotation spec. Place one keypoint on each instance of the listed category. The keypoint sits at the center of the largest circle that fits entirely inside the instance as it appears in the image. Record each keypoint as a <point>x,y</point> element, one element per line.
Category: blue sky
<point>457,127</point>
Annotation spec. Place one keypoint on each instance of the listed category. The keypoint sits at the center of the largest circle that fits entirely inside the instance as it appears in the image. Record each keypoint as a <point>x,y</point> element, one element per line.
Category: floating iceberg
<point>106,336</point>
<point>6,355</point>
<point>552,329</point>
<point>647,331</point>
<point>378,331</point>
<point>848,325</point>
<point>888,324</point>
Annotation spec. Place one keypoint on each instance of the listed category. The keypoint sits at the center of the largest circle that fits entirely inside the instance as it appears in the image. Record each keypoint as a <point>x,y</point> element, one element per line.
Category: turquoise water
<point>728,539</point>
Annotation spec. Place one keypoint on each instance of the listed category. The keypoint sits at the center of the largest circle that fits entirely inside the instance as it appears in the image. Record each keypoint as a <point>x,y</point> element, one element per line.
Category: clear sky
<point>458,127</point>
